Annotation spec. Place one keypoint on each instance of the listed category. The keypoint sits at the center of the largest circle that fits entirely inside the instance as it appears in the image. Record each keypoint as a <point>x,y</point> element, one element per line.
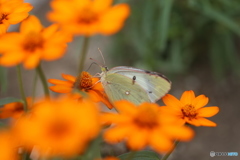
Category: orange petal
<point>187,97</point>
<point>7,41</point>
<point>160,142</point>
<point>113,20</point>
<point>31,24</point>
<point>200,101</point>
<point>208,111</point>
<point>49,31</point>
<point>125,107</point>
<point>60,82</point>
<point>116,134</point>
<point>69,77</point>
<point>12,59</point>
<point>3,28</point>
<point>171,101</point>
<point>99,6</point>
<point>32,61</point>
<point>194,122</point>
<point>17,17</point>
<point>138,139</point>
<point>180,132</point>
<point>60,89</point>
<point>24,7</point>
<point>206,122</point>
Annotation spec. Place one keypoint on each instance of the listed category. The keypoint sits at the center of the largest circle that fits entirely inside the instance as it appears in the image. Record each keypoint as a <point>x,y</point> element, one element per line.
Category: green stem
<point>34,87</point>
<point>83,53</point>
<point>43,79</point>
<point>170,152</point>
<point>19,73</point>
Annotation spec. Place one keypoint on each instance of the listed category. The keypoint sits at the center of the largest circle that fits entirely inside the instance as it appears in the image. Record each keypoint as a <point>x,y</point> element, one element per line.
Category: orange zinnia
<point>86,83</point>
<point>88,17</point>
<point>189,109</point>
<point>59,127</point>
<point>12,12</point>
<point>144,125</point>
<point>14,109</point>
<point>32,44</point>
<point>8,148</point>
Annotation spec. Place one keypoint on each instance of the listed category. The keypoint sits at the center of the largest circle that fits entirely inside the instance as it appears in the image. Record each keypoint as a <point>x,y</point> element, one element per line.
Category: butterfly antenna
<point>91,65</point>
<point>102,56</point>
<point>97,62</point>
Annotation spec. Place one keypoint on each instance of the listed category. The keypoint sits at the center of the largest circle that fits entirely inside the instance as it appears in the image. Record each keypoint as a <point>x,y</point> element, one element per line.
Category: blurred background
<point>195,43</point>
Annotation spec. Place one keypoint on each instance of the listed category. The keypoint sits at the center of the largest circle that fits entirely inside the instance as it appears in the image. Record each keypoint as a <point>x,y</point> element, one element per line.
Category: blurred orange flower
<point>12,12</point>
<point>13,110</point>
<point>88,17</point>
<point>32,44</point>
<point>59,127</point>
<point>144,125</point>
<point>189,109</point>
<point>8,149</point>
<point>109,158</point>
<point>87,84</point>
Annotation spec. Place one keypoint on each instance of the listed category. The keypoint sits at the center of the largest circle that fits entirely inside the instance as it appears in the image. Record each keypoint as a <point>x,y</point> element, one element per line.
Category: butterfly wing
<point>119,87</point>
<point>154,84</point>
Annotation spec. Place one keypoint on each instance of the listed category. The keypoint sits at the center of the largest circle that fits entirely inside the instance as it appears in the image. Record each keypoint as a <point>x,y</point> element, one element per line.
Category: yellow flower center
<point>189,111</point>
<point>3,17</point>
<point>87,16</point>
<point>146,118</point>
<point>33,42</point>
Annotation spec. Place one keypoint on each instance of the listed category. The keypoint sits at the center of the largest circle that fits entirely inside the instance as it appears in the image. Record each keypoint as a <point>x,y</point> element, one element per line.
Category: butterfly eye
<point>106,68</point>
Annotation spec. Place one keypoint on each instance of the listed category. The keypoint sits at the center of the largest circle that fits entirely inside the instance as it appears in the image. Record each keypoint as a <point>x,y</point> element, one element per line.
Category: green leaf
<point>9,100</point>
<point>141,155</point>
<point>221,18</point>
<point>164,23</point>
<point>3,79</point>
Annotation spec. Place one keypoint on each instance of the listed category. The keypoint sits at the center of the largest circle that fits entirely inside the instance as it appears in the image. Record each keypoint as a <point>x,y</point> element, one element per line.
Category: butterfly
<point>133,84</point>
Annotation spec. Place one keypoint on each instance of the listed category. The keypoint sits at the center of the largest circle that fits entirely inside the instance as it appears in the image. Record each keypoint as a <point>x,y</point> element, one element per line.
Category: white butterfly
<point>132,84</point>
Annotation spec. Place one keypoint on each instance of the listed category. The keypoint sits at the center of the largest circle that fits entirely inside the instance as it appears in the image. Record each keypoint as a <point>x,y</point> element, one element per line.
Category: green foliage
<point>173,35</point>
<point>140,155</point>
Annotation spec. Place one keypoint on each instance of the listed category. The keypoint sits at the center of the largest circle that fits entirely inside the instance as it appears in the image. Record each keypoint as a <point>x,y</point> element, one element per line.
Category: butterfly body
<point>133,84</point>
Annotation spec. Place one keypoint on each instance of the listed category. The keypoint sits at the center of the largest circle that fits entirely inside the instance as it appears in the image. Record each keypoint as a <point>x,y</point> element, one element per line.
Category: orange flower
<point>32,44</point>
<point>189,109</point>
<point>86,83</point>
<point>12,12</point>
<point>59,127</point>
<point>144,125</point>
<point>8,149</point>
<point>88,17</point>
<point>109,158</point>
<point>13,110</point>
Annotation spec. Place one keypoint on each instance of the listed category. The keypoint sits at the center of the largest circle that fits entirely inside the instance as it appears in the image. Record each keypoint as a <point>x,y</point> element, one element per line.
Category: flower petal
<point>125,107</point>
<point>138,139</point>
<point>11,59</point>
<point>206,122</point>
<point>99,6</point>
<point>171,101</point>
<point>116,134</point>
<point>208,111</point>
<point>60,89</point>
<point>200,101</point>
<point>69,77</point>
<point>180,132</point>
<point>60,82</point>
<point>160,142</point>
<point>32,61</point>
<point>187,97</point>
<point>31,24</point>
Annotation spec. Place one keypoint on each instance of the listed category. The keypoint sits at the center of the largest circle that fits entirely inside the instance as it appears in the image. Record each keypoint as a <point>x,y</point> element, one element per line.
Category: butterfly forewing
<point>119,87</point>
<point>154,84</point>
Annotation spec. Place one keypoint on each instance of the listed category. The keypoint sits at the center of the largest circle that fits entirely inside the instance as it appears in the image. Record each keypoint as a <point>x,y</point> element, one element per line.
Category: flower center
<point>33,42</point>
<point>59,129</point>
<point>3,17</point>
<point>85,81</point>
<point>189,111</point>
<point>87,16</point>
<point>146,118</point>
